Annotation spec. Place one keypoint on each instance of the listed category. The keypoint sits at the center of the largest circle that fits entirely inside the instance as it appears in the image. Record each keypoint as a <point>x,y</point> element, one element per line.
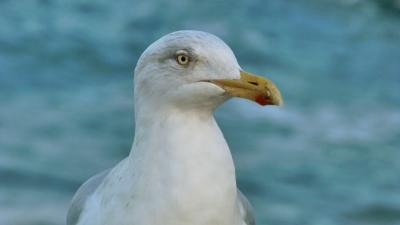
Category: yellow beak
<point>252,87</point>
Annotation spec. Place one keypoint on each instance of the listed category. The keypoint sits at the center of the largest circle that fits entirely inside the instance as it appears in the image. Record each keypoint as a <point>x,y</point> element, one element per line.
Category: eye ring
<point>182,59</point>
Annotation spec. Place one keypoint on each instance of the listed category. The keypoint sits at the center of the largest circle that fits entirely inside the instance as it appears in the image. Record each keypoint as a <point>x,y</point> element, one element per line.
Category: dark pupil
<point>183,58</point>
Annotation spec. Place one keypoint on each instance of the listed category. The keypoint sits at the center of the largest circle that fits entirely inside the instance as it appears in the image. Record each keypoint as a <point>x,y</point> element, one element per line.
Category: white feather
<point>180,170</point>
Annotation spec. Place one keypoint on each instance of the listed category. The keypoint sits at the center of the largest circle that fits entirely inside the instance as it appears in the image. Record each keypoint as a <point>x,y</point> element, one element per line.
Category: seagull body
<point>180,170</point>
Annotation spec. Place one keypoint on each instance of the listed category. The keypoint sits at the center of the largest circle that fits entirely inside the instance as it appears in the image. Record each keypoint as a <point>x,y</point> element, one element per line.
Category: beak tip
<point>279,100</point>
<point>280,103</point>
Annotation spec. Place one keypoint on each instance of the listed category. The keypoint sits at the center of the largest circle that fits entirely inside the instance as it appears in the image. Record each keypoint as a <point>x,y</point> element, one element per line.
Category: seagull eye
<point>182,59</point>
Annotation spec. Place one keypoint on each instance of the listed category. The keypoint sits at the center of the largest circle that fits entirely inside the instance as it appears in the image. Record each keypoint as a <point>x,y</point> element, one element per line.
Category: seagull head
<point>194,69</point>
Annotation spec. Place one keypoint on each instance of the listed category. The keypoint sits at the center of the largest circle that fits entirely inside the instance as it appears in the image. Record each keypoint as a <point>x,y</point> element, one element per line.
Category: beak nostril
<point>254,83</point>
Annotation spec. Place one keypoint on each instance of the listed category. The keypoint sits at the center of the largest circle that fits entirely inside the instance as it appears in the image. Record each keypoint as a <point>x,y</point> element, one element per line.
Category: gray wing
<point>246,209</point>
<point>80,197</point>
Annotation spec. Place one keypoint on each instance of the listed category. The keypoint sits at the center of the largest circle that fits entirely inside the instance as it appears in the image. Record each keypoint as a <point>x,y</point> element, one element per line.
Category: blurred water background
<point>329,157</point>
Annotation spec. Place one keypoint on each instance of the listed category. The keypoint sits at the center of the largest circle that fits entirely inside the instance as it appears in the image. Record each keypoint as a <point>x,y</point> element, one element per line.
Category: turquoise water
<point>330,156</point>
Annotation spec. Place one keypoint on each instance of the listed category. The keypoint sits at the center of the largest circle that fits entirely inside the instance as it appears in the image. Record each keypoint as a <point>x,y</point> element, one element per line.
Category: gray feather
<point>246,209</point>
<point>80,197</point>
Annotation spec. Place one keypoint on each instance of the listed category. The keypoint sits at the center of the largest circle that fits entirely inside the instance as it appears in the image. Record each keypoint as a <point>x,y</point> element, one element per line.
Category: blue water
<point>330,156</point>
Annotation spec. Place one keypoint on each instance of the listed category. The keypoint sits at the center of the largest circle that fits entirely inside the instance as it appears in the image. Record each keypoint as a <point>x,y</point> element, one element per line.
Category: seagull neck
<point>185,150</point>
<point>173,131</point>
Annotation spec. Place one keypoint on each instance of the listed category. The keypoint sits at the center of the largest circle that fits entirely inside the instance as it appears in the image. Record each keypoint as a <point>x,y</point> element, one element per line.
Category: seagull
<point>180,169</point>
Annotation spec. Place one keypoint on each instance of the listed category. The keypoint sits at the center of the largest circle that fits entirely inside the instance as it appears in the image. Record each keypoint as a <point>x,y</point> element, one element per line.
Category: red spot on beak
<point>262,100</point>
